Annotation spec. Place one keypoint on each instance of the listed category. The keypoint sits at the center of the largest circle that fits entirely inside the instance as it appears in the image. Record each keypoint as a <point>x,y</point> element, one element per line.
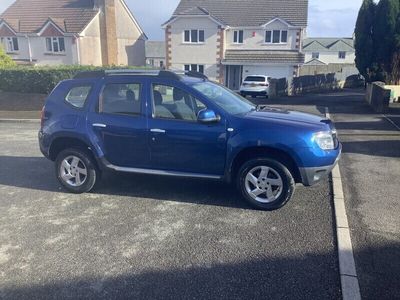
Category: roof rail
<point>171,74</point>
<point>132,72</point>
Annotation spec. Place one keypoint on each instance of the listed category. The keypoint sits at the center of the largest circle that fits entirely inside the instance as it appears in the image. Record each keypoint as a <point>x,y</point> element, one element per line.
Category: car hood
<point>268,113</point>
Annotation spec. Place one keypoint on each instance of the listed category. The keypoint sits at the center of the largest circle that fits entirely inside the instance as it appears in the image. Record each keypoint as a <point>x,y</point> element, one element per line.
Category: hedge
<point>40,80</point>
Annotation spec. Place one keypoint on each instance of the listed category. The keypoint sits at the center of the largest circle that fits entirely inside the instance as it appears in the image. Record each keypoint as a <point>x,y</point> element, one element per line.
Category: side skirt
<point>110,166</point>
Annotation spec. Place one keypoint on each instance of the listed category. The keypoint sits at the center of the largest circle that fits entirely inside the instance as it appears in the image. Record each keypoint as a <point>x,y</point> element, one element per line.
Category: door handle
<point>156,130</point>
<point>99,125</point>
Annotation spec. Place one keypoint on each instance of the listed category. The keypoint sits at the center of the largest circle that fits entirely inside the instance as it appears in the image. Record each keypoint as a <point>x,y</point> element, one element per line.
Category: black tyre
<point>265,183</point>
<point>76,170</point>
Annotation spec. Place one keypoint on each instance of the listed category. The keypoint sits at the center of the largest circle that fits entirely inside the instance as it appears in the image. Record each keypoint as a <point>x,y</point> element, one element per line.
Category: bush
<point>5,60</point>
<point>40,80</point>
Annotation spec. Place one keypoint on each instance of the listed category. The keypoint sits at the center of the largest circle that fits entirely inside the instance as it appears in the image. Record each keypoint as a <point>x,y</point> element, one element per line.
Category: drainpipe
<point>29,48</point>
<point>78,49</point>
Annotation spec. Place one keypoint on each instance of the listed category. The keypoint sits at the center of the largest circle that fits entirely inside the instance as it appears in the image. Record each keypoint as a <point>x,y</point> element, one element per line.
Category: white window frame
<point>236,37</point>
<point>342,56</point>
<point>185,41</point>
<point>194,68</point>
<point>271,41</point>
<point>54,40</point>
<point>11,44</point>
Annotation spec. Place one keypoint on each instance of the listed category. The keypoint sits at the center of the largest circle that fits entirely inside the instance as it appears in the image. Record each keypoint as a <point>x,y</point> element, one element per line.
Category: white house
<point>86,32</point>
<point>228,40</point>
<point>155,54</point>
<point>325,51</point>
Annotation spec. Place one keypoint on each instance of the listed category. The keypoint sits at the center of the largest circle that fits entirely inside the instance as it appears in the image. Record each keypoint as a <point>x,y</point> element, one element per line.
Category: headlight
<point>325,140</point>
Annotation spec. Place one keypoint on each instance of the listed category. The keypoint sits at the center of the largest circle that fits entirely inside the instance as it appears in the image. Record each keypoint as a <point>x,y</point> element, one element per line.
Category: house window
<point>342,55</point>
<point>238,37</point>
<point>315,55</point>
<point>193,36</point>
<point>10,44</point>
<point>283,36</point>
<point>194,68</point>
<point>55,44</point>
<point>276,36</point>
<point>268,36</point>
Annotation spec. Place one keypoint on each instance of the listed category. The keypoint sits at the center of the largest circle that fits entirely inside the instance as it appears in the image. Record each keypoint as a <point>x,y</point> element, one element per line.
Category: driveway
<point>144,237</point>
<point>370,168</point>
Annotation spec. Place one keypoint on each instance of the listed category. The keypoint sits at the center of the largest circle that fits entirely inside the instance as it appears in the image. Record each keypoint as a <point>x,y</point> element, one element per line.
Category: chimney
<point>108,31</point>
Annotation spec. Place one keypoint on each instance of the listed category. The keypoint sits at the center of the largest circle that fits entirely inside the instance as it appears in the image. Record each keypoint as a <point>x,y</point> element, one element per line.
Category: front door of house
<point>234,77</point>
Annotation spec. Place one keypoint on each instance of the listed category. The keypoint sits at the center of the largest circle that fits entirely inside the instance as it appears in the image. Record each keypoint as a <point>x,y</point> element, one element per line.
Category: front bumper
<point>311,176</point>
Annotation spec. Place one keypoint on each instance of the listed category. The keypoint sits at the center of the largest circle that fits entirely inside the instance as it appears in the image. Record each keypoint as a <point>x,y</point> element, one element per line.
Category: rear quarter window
<point>78,95</point>
<point>255,79</point>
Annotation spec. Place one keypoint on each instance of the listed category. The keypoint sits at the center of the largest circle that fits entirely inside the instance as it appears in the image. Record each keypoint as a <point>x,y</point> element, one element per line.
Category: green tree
<point>5,60</point>
<point>364,39</point>
<point>384,32</point>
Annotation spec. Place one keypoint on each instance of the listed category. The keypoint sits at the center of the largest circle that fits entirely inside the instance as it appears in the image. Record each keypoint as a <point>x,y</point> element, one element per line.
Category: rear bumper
<point>311,176</point>
<point>43,148</point>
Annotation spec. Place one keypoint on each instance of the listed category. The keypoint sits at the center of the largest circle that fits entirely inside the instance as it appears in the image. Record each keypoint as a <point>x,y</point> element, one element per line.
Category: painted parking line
<point>348,272</point>
<point>391,122</point>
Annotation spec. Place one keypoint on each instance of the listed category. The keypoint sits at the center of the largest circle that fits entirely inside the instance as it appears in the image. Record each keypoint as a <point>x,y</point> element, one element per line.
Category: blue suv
<point>183,125</point>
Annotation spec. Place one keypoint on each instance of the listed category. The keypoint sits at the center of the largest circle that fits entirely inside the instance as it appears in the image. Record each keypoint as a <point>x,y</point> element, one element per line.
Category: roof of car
<point>165,74</point>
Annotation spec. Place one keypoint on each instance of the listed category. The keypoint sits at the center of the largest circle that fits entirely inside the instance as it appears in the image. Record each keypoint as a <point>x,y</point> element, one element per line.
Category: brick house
<point>228,40</point>
<point>85,32</point>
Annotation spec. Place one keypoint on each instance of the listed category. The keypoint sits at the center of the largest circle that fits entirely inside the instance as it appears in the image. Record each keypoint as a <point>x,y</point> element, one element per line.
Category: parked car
<point>165,123</point>
<point>255,85</point>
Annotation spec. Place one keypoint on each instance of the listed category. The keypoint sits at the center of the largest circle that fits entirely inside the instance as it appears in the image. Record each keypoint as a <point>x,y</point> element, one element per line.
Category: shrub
<point>5,60</point>
<point>40,80</point>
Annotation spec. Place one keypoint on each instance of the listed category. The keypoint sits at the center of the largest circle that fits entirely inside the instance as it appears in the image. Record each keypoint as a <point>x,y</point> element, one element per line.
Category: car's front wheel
<point>76,170</point>
<point>266,183</point>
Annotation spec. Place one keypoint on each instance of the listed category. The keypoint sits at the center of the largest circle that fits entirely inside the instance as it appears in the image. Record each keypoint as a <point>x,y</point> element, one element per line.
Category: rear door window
<point>121,98</point>
<point>255,79</point>
<point>78,95</point>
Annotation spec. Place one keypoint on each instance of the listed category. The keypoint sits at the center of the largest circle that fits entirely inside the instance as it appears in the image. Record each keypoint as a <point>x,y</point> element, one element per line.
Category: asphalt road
<point>144,237</point>
<point>370,167</point>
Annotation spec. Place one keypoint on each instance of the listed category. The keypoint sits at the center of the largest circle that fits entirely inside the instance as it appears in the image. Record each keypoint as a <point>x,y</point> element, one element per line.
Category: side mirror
<point>207,116</point>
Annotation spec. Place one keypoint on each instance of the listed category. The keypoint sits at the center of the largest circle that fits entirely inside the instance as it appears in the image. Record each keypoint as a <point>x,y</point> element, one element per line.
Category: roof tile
<point>72,16</point>
<point>249,12</point>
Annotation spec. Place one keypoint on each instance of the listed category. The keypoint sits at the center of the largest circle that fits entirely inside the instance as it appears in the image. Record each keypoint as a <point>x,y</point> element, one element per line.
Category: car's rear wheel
<point>76,170</point>
<point>265,183</point>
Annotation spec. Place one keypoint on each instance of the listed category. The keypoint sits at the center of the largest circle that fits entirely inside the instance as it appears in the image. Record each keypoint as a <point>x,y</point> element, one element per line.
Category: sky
<point>326,18</point>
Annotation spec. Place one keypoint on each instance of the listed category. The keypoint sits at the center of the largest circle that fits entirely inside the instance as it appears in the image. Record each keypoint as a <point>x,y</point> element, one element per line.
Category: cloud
<point>333,19</point>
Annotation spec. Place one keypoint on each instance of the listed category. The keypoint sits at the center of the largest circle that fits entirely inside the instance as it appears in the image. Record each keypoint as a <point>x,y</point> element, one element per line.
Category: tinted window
<point>255,78</point>
<point>77,95</point>
<point>121,99</point>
